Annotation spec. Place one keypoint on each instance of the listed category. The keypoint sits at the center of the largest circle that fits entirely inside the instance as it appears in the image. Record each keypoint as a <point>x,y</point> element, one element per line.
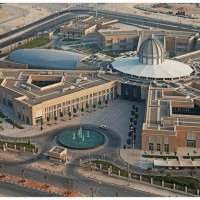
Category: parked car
<point>103,126</point>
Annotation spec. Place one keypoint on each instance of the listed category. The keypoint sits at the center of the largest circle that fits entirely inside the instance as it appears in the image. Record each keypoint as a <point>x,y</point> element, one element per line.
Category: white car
<point>103,126</point>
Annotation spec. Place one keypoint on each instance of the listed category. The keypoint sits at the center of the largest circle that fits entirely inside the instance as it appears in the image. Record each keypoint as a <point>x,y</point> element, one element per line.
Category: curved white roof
<point>46,58</point>
<point>167,69</point>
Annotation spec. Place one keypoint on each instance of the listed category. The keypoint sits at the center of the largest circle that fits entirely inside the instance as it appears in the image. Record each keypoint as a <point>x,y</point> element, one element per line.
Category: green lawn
<point>37,42</point>
<point>19,145</point>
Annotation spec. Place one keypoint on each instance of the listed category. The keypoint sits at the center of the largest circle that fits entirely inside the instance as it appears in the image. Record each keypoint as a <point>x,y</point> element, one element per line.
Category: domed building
<point>150,63</point>
<point>46,59</point>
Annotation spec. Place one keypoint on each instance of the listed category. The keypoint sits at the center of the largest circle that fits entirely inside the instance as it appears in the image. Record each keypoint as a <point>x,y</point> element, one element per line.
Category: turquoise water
<point>84,138</point>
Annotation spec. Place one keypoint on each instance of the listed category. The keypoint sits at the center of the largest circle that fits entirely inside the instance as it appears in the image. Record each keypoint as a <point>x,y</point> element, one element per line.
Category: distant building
<point>84,25</point>
<point>117,40</point>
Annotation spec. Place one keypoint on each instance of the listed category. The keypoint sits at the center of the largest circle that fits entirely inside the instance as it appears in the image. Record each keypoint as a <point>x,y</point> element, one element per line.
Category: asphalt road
<point>124,18</point>
<point>73,180</point>
<point>10,190</point>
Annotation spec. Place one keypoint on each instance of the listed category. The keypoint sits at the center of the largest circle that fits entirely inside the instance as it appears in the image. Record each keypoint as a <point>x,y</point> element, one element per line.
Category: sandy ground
<point>13,16</point>
<point>48,166</point>
<point>129,8</point>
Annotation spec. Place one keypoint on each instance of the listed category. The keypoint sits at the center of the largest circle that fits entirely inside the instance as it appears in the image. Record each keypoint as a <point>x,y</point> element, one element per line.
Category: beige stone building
<point>34,97</point>
<point>172,121</point>
<point>117,40</point>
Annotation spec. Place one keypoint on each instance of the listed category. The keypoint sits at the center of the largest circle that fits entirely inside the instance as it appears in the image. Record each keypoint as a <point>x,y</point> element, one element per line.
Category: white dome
<point>151,52</point>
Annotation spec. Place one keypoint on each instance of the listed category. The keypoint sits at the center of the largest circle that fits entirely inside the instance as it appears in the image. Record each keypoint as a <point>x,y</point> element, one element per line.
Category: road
<point>55,20</point>
<point>10,190</point>
<point>82,184</point>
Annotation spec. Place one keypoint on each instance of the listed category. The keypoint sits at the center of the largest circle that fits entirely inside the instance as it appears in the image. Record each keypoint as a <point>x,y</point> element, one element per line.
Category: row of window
<point>157,147</point>
<point>80,100</point>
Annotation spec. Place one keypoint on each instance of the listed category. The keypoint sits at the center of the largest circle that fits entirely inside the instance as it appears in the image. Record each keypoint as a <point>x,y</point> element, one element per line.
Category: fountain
<point>80,138</point>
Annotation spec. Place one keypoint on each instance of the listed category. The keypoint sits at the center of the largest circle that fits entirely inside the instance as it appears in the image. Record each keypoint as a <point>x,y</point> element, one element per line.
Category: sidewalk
<point>136,185</point>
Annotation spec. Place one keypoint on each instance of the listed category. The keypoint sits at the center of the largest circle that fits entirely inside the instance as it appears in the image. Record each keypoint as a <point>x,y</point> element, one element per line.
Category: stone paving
<point>116,116</point>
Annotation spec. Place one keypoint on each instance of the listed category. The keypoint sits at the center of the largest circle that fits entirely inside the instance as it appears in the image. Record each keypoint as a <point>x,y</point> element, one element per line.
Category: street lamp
<point>128,173</point>
<point>92,192</point>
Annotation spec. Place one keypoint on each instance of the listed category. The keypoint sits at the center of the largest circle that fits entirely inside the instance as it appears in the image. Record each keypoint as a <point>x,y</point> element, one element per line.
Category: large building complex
<point>171,120</point>
<point>33,97</point>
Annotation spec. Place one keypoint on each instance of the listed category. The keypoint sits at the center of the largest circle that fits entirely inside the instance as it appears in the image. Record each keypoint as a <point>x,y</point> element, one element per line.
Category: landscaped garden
<point>180,181</point>
<point>37,42</point>
<point>27,146</point>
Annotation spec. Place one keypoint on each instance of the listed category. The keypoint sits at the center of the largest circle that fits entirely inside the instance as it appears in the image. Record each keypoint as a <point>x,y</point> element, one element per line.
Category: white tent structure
<point>150,63</point>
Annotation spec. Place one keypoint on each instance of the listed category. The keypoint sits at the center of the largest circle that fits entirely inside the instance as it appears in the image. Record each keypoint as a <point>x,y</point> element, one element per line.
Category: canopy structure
<point>150,63</point>
<point>46,58</point>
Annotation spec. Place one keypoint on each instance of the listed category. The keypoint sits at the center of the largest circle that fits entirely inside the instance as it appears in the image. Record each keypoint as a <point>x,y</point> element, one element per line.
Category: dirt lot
<point>16,15</point>
<point>130,8</point>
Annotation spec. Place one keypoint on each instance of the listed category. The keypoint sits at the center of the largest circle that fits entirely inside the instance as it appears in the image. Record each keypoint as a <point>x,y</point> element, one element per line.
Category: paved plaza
<point>115,116</point>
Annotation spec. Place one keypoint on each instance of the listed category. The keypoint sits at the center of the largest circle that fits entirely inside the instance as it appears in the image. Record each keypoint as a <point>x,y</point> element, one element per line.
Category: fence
<point>144,178</point>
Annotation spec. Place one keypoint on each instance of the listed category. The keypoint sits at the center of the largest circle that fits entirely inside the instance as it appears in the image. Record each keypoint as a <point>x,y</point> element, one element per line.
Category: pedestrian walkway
<point>136,185</point>
<point>134,157</point>
<point>107,115</point>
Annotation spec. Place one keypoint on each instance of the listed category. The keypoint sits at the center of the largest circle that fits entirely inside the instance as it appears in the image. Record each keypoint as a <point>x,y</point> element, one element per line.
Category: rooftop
<point>23,85</point>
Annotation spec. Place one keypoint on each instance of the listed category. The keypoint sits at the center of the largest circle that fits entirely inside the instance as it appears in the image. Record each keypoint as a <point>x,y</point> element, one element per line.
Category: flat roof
<point>35,96</point>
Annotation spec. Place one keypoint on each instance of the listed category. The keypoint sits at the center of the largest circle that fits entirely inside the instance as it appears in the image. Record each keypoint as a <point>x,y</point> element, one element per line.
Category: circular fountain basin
<point>80,138</point>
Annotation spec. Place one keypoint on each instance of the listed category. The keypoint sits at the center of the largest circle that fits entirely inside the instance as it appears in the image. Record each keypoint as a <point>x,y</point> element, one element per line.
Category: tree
<point>45,178</point>
<point>55,118</point>
<point>99,102</point>
<point>69,114</point>
<point>82,110</point>
<point>94,106</point>
<point>136,115</point>
<point>22,173</point>
<point>48,119</point>
<point>131,119</point>
<point>61,115</point>
<point>132,112</point>
<point>87,106</point>
<point>41,123</point>
<point>74,111</point>
<point>106,102</point>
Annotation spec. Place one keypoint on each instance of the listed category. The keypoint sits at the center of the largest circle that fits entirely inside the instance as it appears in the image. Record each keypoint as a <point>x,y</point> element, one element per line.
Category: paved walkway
<point>134,157</point>
<point>116,116</point>
<point>136,185</point>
